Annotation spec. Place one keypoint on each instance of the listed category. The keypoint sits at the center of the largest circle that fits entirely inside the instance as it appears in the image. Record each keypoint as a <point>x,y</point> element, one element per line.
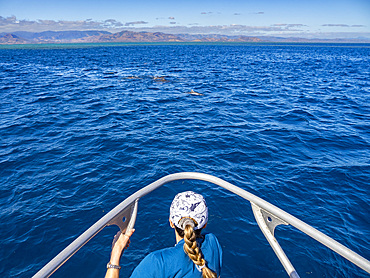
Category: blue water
<point>82,128</point>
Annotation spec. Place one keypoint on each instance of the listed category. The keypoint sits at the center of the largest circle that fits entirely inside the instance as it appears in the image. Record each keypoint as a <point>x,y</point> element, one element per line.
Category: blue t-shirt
<point>173,262</point>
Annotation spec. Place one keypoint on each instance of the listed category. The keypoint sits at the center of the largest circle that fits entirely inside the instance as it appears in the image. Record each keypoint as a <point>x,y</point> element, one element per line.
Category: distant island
<point>21,37</point>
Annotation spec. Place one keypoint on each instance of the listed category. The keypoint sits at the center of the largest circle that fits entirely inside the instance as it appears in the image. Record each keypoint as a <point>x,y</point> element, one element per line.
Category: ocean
<point>84,126</point>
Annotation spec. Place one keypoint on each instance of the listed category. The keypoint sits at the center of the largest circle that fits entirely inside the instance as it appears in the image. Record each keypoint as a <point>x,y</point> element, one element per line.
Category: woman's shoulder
<point>168,251</point>
<point>211,242</point>
<point>154,263</point>
<point>210,237</point>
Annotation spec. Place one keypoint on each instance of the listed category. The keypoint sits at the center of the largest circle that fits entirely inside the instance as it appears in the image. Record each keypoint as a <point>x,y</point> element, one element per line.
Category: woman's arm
<point>120,243</point>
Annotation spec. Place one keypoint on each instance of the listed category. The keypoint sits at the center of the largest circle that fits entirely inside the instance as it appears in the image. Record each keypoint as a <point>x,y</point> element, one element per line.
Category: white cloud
<point>290,27</point>
<point>343,25</point>
<point>135,23</point>
<point>9,24</point>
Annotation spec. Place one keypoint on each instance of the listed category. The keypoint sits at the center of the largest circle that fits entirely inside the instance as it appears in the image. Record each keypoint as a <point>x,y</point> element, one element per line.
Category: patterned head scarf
<point>191,205</point>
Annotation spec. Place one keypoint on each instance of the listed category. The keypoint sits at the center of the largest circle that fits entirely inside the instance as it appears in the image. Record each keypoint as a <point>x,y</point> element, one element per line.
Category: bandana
<point>189,205</point>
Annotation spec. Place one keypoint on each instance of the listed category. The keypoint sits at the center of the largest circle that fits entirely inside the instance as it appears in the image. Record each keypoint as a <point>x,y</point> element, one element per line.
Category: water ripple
<point>82,128</point>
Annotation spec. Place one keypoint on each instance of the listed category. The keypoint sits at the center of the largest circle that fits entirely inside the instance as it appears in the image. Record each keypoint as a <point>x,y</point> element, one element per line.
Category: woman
<point>194,255</point>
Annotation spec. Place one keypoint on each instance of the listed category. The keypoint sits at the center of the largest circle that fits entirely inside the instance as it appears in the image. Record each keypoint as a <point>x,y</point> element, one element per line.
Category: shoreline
<point>117,44</point>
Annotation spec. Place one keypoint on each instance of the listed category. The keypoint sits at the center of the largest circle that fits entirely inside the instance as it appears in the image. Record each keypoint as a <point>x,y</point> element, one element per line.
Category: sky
<point>284,18</point>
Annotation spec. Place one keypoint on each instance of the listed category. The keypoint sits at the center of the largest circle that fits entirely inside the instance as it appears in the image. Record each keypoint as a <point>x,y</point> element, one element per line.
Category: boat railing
<point>267,216</point>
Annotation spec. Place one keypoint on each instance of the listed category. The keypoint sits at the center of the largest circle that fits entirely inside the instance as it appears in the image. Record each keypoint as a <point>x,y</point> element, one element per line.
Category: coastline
<point>121,44</point>
<point>130,37</point>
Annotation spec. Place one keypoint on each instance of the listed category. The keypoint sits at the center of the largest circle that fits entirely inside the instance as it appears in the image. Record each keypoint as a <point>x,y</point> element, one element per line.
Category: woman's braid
<point>191,248</point>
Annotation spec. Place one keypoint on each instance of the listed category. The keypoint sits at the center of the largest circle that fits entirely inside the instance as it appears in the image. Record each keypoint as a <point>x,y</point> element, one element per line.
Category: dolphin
<point>192,92</point>
<point>160,79</point>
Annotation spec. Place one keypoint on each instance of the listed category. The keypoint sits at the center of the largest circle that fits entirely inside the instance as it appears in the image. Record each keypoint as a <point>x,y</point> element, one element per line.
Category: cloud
<point>172,22</point>
<point>335,25</point>
<point>110,23</point>
<point>342,25</point>
<point>290,27</point>
<point>237,13</point>
<point>260,13</point>
<point>135,23</point>
<point>206,13</point>
<point>234,29</point>
<point>11,23</point>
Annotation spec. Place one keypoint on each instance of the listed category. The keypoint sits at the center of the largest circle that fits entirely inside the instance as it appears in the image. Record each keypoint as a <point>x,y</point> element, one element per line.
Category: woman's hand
<point>120,243</point>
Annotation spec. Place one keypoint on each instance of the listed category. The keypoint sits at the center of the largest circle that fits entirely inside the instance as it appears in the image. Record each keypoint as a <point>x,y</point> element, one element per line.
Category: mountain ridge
<point>20,37</point>
<point>94,36</point>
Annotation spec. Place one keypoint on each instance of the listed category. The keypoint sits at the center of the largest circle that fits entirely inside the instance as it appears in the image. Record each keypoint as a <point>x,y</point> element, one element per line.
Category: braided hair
<point>192,249</point>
